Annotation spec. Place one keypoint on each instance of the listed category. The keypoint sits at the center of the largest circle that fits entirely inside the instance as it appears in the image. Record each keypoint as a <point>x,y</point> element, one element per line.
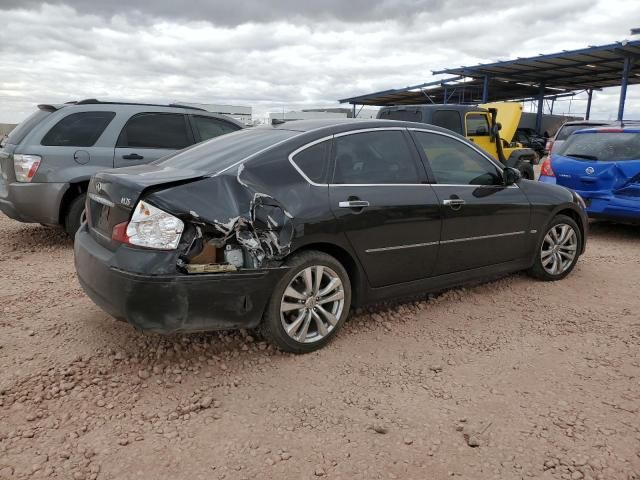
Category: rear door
<point>483,221</point>
<point>149,136</point>
<point>381,202</point>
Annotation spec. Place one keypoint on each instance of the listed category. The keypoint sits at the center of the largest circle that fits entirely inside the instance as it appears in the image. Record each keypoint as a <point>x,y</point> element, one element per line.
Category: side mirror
<point>511,176</point>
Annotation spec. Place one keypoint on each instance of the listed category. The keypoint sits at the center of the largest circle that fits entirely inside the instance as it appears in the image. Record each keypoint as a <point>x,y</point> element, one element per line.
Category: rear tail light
<point>545,168</point>
<point>149,227</point>
<point>25,166</point>
<point>549,146</point>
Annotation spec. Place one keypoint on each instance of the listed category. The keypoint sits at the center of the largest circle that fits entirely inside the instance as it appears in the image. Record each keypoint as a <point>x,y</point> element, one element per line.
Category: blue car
<point>603,166</point>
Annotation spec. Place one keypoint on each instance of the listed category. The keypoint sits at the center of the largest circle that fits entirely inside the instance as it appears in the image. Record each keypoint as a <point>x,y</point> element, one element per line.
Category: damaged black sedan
<point>287,227</point>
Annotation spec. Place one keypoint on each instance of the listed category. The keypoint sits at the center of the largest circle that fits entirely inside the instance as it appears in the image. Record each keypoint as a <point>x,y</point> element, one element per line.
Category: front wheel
<point>558,253</point>
<point>309,304</point>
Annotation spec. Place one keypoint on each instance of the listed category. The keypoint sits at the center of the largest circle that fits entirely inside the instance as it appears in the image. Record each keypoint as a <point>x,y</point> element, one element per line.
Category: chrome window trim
<point>400,247</point>
<point>302,148</point>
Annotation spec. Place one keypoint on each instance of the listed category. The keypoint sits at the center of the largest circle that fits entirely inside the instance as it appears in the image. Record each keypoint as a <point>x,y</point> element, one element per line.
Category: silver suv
<point>46,161</point>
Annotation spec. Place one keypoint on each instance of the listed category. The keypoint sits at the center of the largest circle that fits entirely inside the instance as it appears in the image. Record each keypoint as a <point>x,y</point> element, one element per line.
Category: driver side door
<point>484,222</point>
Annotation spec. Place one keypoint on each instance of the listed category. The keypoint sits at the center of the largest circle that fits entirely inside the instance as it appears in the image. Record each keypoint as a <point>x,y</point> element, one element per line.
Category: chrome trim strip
<point>103,201</point>
<point>304,147</point>
<point>483,237</point>
<point>365,130</point>
<point>533,231</point>
<point>400,247</point>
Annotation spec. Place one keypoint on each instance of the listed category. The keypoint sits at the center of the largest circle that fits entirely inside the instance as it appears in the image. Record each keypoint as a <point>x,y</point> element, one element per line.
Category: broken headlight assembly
<point>150,227</point>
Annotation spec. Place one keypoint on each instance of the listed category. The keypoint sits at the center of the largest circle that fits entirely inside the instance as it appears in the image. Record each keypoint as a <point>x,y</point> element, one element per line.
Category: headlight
<point>25,166</point>
<point>153,228</point>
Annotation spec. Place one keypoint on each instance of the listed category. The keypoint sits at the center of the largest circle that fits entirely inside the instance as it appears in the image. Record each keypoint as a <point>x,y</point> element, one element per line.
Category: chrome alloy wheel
<point>559,249</point>
<point>312,304</point>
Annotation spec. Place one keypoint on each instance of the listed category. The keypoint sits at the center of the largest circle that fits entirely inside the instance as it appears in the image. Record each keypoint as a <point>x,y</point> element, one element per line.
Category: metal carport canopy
<point>536,77</point>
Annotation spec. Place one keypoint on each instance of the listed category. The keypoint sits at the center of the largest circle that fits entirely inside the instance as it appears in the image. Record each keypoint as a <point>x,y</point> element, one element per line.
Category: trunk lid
<point>619,178</point>
<point>113,194</point>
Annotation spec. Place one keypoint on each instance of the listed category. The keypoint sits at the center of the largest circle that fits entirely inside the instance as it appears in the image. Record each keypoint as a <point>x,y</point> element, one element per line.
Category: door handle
<point>353,204</point>
<point>454,203</point>
<point>133,156</point>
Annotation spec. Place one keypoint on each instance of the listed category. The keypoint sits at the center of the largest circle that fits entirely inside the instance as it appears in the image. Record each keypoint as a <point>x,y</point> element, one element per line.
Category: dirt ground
<point>513,379</point>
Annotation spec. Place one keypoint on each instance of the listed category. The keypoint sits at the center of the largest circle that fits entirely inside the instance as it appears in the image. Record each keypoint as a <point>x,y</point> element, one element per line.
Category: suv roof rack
<point>94,101</point>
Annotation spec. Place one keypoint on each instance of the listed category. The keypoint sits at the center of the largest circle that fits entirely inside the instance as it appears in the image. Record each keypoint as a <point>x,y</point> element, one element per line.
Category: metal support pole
<point>446,91</point>
<point>540,108</point>
<point>354,111</point>
<point>588,112</point>
<point>623,86</point>
<point>553,102</point>
<point>485,89</point>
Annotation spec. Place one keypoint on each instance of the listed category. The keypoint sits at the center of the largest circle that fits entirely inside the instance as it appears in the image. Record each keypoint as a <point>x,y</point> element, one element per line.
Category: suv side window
<point>455,163</point>
<point>156,130</point>
<point>80,129</point>
<point>374,158</point>
<point>477,125</point>
<point>209,127</point>
<point>449,119</point>
<point>313,161</point>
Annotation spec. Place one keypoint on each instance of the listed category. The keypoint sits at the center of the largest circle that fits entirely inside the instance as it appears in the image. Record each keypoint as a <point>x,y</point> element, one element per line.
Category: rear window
<point>78,129</point>
<point>567,130</point>
<point>606,146</point>
<point>224,151</point>
<point>449,119</point>
<point>17,134</point>
<point>403,115</point>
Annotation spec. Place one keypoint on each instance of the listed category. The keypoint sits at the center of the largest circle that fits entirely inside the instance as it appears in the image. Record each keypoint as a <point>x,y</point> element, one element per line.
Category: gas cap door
<point>82,157</point>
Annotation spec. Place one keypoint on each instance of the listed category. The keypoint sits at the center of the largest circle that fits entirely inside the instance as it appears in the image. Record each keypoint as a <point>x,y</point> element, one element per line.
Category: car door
<point>148,136</point>
<point>382,204</point>
<point>484,222</point>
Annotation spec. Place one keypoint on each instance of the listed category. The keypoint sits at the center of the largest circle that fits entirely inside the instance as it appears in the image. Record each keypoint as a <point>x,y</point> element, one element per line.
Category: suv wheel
<point>309,304</point>
<point>73,217</point>
<point>558,253</point>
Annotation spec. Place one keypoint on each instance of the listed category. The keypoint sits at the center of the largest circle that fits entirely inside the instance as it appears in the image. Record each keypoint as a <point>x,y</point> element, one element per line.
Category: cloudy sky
<point>275,54</point>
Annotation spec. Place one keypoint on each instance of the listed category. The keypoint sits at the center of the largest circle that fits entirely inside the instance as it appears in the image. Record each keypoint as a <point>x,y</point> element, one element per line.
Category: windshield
<point>217,154</point>
<point>604,146</point>
<point>17,134</point>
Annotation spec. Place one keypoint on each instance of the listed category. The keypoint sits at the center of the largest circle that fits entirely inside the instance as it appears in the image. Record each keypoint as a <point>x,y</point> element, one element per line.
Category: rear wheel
<point>73,217</point>
<point>309,304</point>
<point>558,253</point>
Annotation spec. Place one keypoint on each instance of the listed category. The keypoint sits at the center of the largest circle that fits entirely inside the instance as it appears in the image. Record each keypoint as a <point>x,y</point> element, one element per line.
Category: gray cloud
<point>289,55</point>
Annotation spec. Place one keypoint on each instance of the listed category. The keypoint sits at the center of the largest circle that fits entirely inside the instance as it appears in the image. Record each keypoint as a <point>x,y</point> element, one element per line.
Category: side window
<point>155,130</point>
<point>477,125</point>
<point>78,129</point>
<point>374,157</point>
<point>449,119</point>
<point>209,127</point>
<point>454,162</point>
<point>313,161</point>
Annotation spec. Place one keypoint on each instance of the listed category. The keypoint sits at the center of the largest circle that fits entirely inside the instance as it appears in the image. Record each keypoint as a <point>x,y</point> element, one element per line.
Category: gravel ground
<point>512,379</point>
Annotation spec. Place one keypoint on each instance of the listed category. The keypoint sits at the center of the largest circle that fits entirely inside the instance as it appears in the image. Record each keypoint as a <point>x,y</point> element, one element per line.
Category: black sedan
<point>287,227</point>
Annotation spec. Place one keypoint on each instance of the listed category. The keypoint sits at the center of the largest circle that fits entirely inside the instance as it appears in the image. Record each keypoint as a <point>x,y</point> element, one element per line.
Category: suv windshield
<point>222,152</point>
<point>603,146</point>
<point>17,134</point>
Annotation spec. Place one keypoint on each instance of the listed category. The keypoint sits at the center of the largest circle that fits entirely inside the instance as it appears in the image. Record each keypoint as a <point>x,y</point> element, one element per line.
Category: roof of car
<point>345,124</point>
<point>586,122</point>
<point>612,129</point>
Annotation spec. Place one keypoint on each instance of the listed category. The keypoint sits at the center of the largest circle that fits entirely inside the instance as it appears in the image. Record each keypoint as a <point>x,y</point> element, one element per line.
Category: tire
<point>287,305</point>
<point>543,267</point>
<point>72,218</point>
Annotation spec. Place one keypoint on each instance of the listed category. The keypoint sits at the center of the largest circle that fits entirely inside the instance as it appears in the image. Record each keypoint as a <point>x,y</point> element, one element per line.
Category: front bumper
<point>174,302</point>
<point>32,202</point>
